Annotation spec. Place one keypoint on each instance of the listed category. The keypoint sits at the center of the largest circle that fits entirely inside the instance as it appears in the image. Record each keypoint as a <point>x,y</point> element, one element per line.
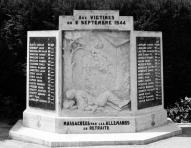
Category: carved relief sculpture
<point>96,71</point>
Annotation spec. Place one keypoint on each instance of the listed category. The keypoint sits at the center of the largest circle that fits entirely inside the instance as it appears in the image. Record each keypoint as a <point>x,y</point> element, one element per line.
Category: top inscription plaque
<point>96,19</point>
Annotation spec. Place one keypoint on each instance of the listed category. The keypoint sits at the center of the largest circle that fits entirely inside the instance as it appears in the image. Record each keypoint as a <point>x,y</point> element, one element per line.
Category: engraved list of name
<point>42,72</point>
<point>149,89</point>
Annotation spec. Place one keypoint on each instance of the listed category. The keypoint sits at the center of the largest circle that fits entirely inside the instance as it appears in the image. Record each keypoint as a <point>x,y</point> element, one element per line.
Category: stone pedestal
<point>94,125</point>
<point>53,139</point>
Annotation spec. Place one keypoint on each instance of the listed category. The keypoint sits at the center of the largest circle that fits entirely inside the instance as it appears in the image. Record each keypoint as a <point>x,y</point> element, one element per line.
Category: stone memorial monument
<point>95,81</point>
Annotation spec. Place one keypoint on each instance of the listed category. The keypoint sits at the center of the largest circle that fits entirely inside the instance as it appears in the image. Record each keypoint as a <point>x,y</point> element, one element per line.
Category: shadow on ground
<point>4,130</point>
<point>186,132</point>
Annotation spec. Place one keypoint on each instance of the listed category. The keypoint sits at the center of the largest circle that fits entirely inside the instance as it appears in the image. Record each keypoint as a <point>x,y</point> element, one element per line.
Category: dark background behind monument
<point>172,17</point>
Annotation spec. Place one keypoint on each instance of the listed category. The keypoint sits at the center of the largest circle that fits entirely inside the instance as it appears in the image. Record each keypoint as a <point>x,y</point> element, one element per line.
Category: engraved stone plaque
<point>149,89</point>
<point>42,72</point>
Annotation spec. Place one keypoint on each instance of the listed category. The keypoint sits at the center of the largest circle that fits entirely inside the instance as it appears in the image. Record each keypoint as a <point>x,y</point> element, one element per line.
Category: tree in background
<point>172,17</point>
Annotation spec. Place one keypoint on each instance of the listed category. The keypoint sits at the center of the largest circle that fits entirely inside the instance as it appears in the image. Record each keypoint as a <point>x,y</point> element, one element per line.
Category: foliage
<point>181,111</point>
<point>172,17</point>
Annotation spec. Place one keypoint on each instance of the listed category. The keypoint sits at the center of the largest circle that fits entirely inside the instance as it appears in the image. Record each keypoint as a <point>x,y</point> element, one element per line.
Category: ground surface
<point>181,141</point>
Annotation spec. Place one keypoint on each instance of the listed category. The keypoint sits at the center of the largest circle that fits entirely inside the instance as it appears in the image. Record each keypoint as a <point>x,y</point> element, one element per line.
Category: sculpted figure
<point>112,100</point>
<point>81,100</point>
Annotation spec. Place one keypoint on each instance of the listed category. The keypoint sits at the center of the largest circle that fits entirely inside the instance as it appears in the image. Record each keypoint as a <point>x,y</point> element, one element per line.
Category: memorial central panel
<point>96,71</point>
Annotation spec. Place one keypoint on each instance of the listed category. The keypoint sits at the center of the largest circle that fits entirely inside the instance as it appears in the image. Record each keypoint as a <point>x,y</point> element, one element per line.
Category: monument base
<point>129,123</point>
<point>26,134</point>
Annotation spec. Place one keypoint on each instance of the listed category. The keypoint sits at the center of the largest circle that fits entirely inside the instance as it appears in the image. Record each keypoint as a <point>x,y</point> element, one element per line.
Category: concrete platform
<point>20,132</point>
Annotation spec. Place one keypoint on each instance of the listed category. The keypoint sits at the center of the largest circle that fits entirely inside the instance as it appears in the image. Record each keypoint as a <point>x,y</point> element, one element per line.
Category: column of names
<point>148,72</point>
<point>42,72</point>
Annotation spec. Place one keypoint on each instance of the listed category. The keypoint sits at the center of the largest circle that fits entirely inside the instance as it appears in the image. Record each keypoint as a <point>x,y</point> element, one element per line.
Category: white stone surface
<point>127,123</point>
<point>20,132</point>
<point>96,71</point>
<point>96,19</point>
